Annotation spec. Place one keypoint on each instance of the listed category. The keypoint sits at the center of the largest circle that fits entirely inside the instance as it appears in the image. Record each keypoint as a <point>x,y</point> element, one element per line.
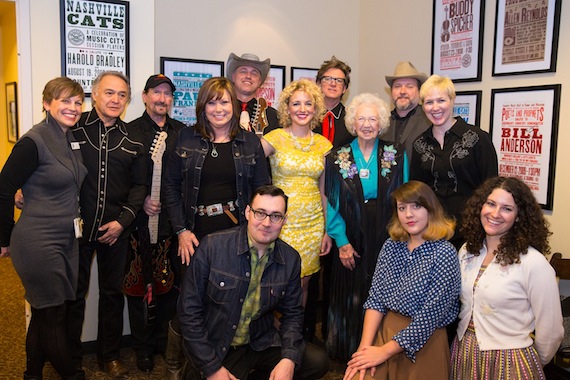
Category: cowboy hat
<point>406,70</point>
<point>248,59</point>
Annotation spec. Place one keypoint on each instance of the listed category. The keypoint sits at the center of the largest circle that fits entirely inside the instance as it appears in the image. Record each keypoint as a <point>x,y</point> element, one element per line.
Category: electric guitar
<point>156,153</point>
<point>259,119</point>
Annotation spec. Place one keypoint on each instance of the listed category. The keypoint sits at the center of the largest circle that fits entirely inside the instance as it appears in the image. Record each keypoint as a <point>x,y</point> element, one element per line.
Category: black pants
<point>245,363</point>
<point>111,262</point>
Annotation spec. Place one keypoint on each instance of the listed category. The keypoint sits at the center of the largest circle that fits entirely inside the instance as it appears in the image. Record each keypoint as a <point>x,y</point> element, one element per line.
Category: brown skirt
<point>432,361</point>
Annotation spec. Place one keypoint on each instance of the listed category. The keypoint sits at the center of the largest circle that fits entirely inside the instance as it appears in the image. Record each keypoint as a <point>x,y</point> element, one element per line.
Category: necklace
<point>214,152</point>
<point>298,144</point>
<point>364,172</point>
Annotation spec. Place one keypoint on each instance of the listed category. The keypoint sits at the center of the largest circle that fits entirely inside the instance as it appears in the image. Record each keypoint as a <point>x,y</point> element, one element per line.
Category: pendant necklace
<point>214,152</point>
<point>298,144</point>
<point>364,173</point>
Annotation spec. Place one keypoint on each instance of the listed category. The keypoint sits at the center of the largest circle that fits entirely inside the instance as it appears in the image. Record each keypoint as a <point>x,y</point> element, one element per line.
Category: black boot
<point>173,355</point>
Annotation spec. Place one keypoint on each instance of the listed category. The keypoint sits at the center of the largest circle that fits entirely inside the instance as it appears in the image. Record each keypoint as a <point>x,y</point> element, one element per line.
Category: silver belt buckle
<point>215,209</point>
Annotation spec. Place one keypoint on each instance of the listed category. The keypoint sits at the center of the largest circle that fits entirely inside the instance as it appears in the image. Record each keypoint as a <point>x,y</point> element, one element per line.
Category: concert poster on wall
<point>524,129</point>
<point>273,85</point>
<point>94,38</point>
<point>457,36</point>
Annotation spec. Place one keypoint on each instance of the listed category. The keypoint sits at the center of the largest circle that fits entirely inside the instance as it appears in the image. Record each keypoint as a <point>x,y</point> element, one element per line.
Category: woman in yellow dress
<point>297,158</point>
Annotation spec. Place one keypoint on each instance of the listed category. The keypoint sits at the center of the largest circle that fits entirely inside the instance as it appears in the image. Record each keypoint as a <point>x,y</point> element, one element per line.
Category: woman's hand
<point>187,242</point>
<point>326,245</point>
<point>346,253</point>
<point>4,251</point>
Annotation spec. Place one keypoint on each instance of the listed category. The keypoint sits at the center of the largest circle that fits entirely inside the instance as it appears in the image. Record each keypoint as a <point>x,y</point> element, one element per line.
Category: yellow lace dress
<point>296,167</point>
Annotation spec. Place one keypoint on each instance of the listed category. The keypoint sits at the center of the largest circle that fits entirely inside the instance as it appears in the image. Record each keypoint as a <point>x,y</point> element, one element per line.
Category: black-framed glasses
<point>331,80</point>
<point>273,218</point>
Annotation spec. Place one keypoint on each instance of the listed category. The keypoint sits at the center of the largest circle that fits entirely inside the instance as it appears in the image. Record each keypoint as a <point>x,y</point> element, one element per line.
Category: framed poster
<point>94,38</point>
<point>273,85</point>
<point>457,39</point>
<point>524,129</point>
<point>526,36</point>
<point>12,111</point>
<point>188,76</point>
<point>468,106</point>
<point>304,73</point>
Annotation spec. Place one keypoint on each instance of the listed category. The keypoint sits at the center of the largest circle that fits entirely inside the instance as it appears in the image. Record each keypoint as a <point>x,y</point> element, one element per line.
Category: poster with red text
<point>524,129</point>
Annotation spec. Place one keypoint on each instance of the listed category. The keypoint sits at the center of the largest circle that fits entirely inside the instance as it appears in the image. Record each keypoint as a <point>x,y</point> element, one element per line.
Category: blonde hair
<point>439,225</point>
<point>311,89</point>
<point>437,82</point>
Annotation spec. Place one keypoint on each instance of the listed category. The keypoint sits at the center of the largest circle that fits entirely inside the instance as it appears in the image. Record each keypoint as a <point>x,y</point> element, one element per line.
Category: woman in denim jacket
<point>210,177</point>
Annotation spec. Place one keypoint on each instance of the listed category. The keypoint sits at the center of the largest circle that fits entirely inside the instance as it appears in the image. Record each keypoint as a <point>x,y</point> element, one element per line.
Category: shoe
<point>115,369</point>
<point>145,363</point>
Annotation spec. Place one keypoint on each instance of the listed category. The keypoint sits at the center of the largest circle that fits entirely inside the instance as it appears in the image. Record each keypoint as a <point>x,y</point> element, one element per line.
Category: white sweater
<point>510,302</point>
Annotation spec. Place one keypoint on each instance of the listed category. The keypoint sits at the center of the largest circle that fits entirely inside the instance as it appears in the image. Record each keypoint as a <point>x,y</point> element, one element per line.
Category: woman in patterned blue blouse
<point>414,293</point>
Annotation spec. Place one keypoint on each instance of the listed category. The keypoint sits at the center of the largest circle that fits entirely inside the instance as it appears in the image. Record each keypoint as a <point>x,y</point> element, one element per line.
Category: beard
<point>404,104</point>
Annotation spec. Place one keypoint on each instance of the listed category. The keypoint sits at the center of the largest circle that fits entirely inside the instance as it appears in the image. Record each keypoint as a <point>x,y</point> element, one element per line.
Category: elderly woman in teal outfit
<point>360,177</point>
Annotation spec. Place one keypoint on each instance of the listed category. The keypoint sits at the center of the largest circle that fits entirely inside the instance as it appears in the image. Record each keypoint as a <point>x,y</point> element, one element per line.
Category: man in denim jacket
<point>237,279</point>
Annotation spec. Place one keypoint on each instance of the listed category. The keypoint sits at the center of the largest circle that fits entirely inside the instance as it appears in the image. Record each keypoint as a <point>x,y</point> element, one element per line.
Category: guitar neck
<point>155,196</point>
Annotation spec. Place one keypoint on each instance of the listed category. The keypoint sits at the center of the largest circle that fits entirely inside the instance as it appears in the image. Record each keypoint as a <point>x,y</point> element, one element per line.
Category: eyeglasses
<point>273,218</point>
<point>331,80</point>
<point>371,120</point>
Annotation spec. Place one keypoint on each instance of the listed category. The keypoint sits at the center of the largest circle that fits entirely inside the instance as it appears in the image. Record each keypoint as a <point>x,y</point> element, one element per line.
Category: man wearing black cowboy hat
<point>248,73</point>
<point>408,120</point>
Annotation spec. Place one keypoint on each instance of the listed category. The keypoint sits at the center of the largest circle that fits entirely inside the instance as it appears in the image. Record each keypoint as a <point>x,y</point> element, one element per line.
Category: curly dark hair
<point>530,228</point>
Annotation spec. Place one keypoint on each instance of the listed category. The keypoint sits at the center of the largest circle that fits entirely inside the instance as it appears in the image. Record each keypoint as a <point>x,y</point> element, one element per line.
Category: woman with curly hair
<point>508,287</point>
<point>360,176</point>
<point>297,159</point>
<point>414,294</point>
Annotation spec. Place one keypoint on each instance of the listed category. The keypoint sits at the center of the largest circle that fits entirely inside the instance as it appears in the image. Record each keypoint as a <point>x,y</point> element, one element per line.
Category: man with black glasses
<point>236,280</point>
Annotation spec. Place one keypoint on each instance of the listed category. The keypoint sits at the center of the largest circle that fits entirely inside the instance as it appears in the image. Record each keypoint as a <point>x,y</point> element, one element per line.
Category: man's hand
<point>222,374</point>
<point>150,207</point>
<point>284,370</point>
<point>112,232</point>
<point>187,242</point>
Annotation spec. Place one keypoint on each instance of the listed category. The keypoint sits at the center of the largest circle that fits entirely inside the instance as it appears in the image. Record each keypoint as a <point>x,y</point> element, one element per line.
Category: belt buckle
<point>215,209</point>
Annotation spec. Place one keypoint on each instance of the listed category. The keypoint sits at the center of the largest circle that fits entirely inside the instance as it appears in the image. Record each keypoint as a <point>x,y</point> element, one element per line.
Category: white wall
<point>395,31</point>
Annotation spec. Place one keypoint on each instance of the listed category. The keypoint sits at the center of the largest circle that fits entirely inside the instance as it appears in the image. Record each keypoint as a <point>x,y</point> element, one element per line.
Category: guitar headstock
<point>259,117</point>
<point>158,147</point>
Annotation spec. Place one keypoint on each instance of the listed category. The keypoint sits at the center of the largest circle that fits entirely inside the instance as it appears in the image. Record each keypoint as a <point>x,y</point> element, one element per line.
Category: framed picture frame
<point>12,111</point>
<point>273,85</point>
<point>524,129</point>
<point>188,76</point>
<point>94,39</point>
<point>304,73</point>
<point>526,36</point>
<point>468,106</point>
<point>457,39</point>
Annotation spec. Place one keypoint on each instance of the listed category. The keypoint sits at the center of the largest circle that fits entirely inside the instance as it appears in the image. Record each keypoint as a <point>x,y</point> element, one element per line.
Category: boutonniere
<point>388,159</point>
<point>347,167</point>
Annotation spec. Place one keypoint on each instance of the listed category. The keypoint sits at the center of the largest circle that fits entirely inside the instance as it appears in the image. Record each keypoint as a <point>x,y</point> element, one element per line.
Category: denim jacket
<point>213,292</point>
<point>184,169</point>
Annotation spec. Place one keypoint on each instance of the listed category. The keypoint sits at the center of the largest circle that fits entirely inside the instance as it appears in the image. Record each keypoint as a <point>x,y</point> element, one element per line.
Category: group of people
<point>402,209</point>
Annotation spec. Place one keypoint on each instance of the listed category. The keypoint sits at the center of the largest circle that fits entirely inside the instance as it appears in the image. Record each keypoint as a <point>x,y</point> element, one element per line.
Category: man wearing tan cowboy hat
<point>408,119</point>
<point>248,73</point>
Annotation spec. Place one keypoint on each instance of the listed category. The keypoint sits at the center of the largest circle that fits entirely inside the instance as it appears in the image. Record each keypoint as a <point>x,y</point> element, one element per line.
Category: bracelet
<point>181,230</point>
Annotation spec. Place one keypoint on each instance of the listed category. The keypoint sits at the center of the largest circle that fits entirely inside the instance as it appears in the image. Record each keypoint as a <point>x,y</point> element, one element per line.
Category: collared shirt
<point>115,186</point>
<point>250,309</point>
<point>401,121</point>
<point>423,284</point>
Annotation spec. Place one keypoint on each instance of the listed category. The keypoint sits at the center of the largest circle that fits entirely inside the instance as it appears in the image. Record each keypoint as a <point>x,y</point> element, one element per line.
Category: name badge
<point>74,145</point>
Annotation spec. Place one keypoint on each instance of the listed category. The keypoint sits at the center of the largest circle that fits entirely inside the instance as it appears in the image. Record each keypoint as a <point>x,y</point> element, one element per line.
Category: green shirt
<point>250,308</point>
